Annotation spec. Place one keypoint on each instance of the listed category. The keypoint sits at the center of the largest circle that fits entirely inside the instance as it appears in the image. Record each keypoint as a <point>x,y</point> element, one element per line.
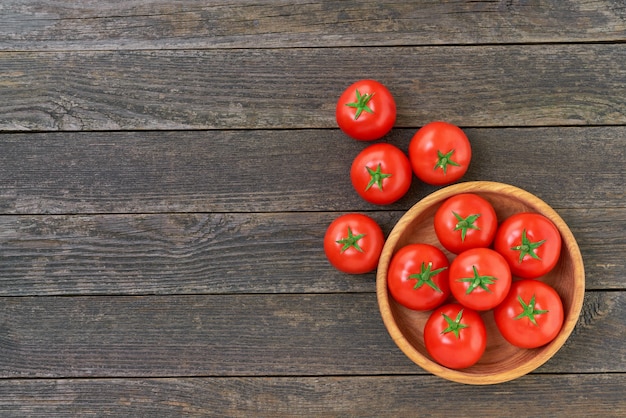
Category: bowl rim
<point>459,376</point>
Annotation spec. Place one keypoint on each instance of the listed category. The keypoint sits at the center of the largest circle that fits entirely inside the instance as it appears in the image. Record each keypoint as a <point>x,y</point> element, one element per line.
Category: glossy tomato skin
<point>533,296</point>
<point>445,346</point>
<point>531,244</point>
<point>366,110</point>
<point>381,174</point>
<point>480,278</point>
<point>353,243</point>
<point>418,276</point>
<point>440,153</point>
<point>465,221</point>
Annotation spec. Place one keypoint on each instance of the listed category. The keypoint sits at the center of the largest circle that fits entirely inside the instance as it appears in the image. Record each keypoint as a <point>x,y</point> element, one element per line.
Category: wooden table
<point>168,170</point>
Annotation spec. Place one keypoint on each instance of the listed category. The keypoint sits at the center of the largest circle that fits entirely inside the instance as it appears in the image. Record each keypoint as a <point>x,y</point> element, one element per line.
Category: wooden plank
<point>243,171</point>
<point>172,253</point>
<point>92,24</point>
<point>246,335</point>
<point>507,85</point>
<point>212,253</point>
<point>381,396</point>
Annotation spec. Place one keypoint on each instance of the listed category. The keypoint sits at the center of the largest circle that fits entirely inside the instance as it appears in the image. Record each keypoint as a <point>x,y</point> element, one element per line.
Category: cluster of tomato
<point>439,153</point>
<point>527,312</point>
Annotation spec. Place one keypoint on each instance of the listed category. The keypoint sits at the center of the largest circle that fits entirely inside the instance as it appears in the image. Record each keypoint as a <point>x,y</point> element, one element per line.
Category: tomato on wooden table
<point>366,110</point>
<point>455,337</point>
<point>353,243</point>
<point>480,278</point>
<point>531,244</point>
<point>381,173</point>
<point>440,153</point>
<point>465,221</point>
<point>418,276</point>
<point>531,315</point>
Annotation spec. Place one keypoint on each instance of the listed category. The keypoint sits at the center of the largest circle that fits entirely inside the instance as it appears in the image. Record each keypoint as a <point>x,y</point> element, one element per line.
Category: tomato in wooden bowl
<point>501,360</point>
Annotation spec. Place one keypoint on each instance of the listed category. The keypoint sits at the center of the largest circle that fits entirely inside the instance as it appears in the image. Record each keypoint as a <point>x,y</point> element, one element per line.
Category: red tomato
<point>531,315</point>
<point>353,243</point>
<point>440,153</point>
<point>480,278</point>
<point>455,336</point>
<point>418,277</point>
<point>366,110</point>
<point>530,243</point>
<point>465,221</point>
<point>381,173</point>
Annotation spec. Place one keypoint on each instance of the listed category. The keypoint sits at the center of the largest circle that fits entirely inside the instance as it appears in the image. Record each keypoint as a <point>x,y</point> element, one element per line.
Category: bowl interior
<point>501,360</point>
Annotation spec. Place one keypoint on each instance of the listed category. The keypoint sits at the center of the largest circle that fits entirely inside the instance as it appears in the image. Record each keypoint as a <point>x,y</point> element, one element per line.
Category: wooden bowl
<point>501,361</point>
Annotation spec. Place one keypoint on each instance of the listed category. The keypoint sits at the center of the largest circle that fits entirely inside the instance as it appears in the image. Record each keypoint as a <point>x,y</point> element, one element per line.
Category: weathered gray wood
<point>172,254</point>
<point>283,171</point>
<point>110,24</point>
<point>225,253</point>
<point>380,396</point>
<point>167,260</point>
<point>246,335</point>
<point>506,85</point>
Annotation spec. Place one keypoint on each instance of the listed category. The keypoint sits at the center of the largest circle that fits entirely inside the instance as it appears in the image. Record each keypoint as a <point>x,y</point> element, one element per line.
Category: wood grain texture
<point>243,171</point>
<point>159,24</point>
<point>165,260</point>
<point>380,396</point>
<point>247,335</point>
<point>506,85</point>
<point>225,253</point>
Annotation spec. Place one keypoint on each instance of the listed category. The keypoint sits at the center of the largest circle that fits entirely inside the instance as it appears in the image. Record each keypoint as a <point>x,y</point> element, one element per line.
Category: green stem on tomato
<point>376,177</point>
<point>529,310</point>
<point>478,281</point>
<point>444,160</point>
<point>463,224</point>
<point>527,247</point>
<point>454,325</point>
<point>351,241</point>
<point>361,103</point>
<point>425,276</point>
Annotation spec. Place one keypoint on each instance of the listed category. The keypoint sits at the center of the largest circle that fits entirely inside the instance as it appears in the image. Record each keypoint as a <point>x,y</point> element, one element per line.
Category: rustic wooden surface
<point>168,169</point>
